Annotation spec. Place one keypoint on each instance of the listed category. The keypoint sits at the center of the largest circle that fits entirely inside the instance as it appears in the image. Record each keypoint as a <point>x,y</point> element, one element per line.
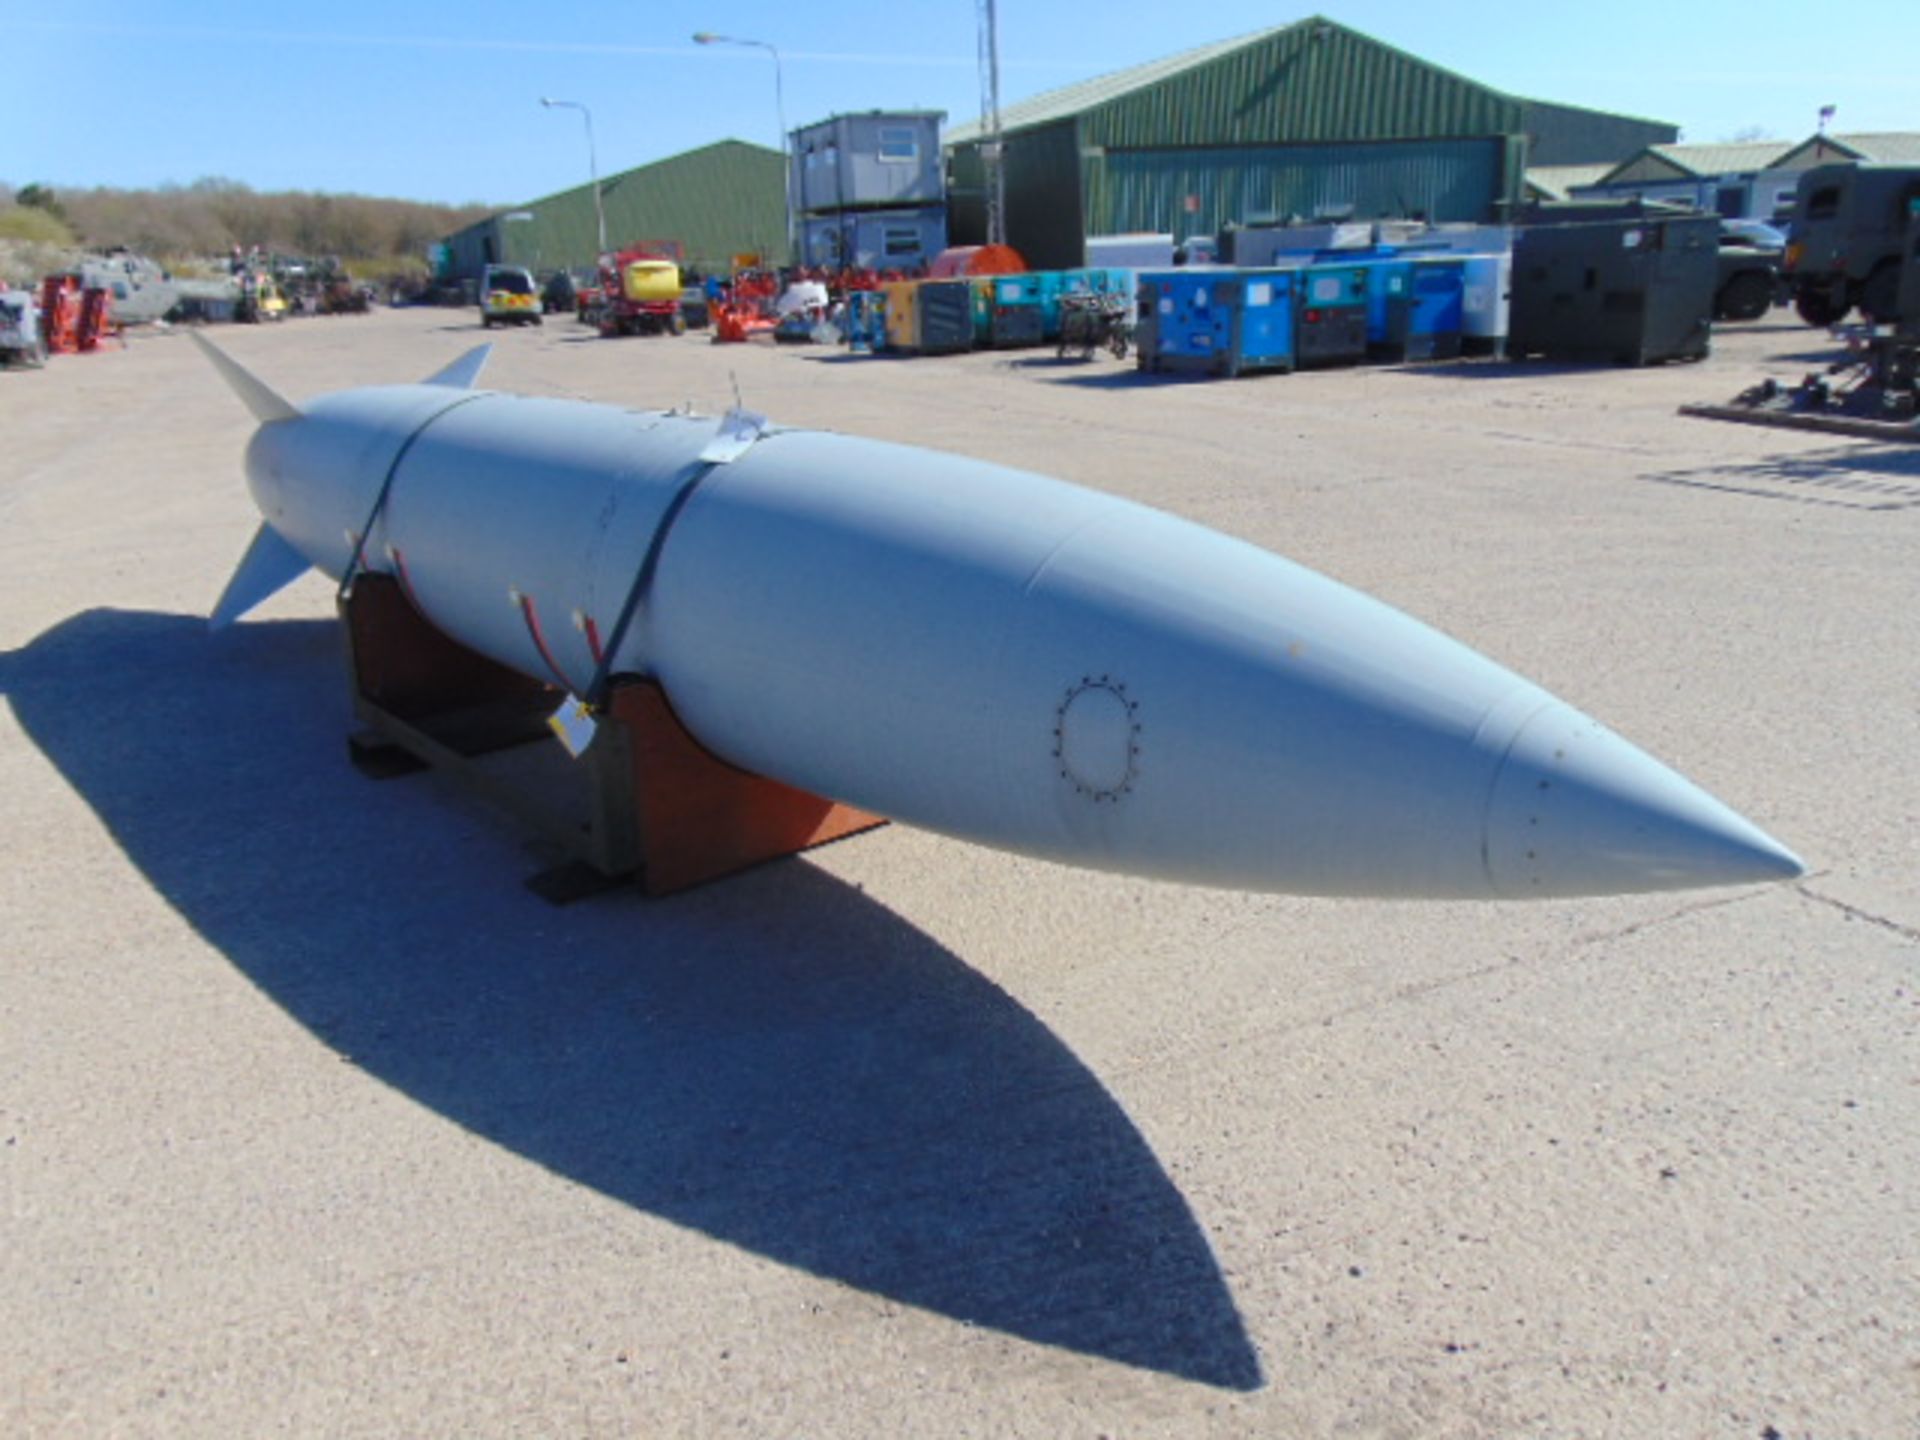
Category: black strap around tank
<point>358,560</point>
<point>643,581</point>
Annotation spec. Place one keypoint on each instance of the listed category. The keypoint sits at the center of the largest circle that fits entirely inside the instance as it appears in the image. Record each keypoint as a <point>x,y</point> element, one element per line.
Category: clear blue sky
<point>434,100</point>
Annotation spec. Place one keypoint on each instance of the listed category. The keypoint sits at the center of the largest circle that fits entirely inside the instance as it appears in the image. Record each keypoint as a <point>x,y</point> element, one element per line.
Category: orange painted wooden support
<point>700,818</point>
<point>658,807</point>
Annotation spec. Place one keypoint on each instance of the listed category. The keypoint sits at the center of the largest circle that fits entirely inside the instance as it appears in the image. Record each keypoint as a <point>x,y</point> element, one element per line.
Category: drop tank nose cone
<point>1576,810</point>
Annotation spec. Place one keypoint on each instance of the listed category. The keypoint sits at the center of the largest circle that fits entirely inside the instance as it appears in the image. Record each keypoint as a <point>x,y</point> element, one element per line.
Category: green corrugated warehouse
<point>1300,119</point>
<point>718,201</point>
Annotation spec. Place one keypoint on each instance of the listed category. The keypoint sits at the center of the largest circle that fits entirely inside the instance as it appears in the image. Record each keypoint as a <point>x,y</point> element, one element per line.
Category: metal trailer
<point>1089,280</point>
<point>1436,308</point>
<point>1333,314</point>
<point>1217,321</point>
<point>1631,291</point>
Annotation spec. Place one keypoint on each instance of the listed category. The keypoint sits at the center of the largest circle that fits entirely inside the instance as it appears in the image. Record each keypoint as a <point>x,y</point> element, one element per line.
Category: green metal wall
<point>1045,213</point>
<point>1300,117</point>
<point>1315,81</point>
<point>716,201</point>
<point>1197,191</point>
<point>1565,135</point>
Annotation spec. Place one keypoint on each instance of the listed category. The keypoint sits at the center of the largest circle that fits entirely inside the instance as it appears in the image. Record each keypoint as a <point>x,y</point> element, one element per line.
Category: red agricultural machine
<point>75,317</point>
<point>639,291</point>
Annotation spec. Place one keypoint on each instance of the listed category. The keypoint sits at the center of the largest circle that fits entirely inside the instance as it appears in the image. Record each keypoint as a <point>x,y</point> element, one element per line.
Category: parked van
<point>508,297</point>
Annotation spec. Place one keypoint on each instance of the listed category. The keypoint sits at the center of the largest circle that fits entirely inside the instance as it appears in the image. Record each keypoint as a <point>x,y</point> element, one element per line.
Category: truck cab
<point>1843,247</point>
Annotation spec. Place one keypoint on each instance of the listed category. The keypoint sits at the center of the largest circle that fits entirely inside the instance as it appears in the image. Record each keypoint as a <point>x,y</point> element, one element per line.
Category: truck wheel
<point>1819,307</point>
<point>1880,296</point>
<point>1746,296</point>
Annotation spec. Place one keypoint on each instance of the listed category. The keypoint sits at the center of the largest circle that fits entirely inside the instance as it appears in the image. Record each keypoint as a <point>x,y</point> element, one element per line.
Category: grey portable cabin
<point>880,158</point>
<point>874,239</point>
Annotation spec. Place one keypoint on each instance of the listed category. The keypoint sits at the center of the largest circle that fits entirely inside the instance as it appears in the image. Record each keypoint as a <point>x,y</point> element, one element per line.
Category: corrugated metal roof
<point>1554,181</point>
<point>1363,79</point>
<point>1315,82</point>
<point>1884,147</point>
<point>715,200</point>
<point>1070,100</point>
<point>1702,161</point>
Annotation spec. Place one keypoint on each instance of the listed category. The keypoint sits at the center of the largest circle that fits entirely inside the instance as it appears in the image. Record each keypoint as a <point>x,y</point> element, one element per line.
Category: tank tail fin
<point>268,567</point>
<point>461,374</point>
<point>259,397</point>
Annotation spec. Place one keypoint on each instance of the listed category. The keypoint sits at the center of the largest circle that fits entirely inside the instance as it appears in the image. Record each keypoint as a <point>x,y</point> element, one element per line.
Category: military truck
<point>1843,246</point>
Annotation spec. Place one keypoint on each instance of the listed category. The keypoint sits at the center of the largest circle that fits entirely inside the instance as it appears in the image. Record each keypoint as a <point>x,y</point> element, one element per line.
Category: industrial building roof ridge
<point>1703,159</point>
<point>606,180</point>
<point>1079,95</point>
<point>1555,181</point>
<point>1082,95</point>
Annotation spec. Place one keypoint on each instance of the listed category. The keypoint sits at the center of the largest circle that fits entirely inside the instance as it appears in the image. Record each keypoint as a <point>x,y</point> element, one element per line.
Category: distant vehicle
<point>260,299</point>
<point>640,291</point>
<point>695,307</point>
<point>1755,232</point>
<point>508,297</point>
<point>142,291</point>
<point>21,339</point>
<point>558,295</point>
<point>1748,279</point>
<point>1843,247</point>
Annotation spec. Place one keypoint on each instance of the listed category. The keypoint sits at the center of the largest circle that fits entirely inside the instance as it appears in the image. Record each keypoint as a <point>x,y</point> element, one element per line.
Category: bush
<point>33,226</point>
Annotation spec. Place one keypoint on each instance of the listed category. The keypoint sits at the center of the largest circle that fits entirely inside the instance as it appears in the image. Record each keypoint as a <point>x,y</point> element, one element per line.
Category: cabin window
<point>898,240</point>
<point>1824,203</point>
<point>897,144</point>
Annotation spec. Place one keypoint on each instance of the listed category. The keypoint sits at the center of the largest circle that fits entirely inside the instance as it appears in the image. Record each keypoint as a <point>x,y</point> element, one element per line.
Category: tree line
<point>178,223</point>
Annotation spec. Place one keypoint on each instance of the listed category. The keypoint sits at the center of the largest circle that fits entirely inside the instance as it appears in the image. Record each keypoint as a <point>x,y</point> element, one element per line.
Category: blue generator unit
<point>1389,305</point>
<point>1333,314</point>
<point>1216,321</point>
<point>866,321</point>
<point>1437,313</point>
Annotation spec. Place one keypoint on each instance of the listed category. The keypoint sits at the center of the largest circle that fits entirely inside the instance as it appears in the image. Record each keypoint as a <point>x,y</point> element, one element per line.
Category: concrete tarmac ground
<point>313,1121</point>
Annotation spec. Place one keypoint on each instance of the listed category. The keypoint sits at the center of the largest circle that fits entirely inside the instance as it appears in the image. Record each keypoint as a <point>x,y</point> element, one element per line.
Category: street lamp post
<point>593,165</point>
<point>707,37</point>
